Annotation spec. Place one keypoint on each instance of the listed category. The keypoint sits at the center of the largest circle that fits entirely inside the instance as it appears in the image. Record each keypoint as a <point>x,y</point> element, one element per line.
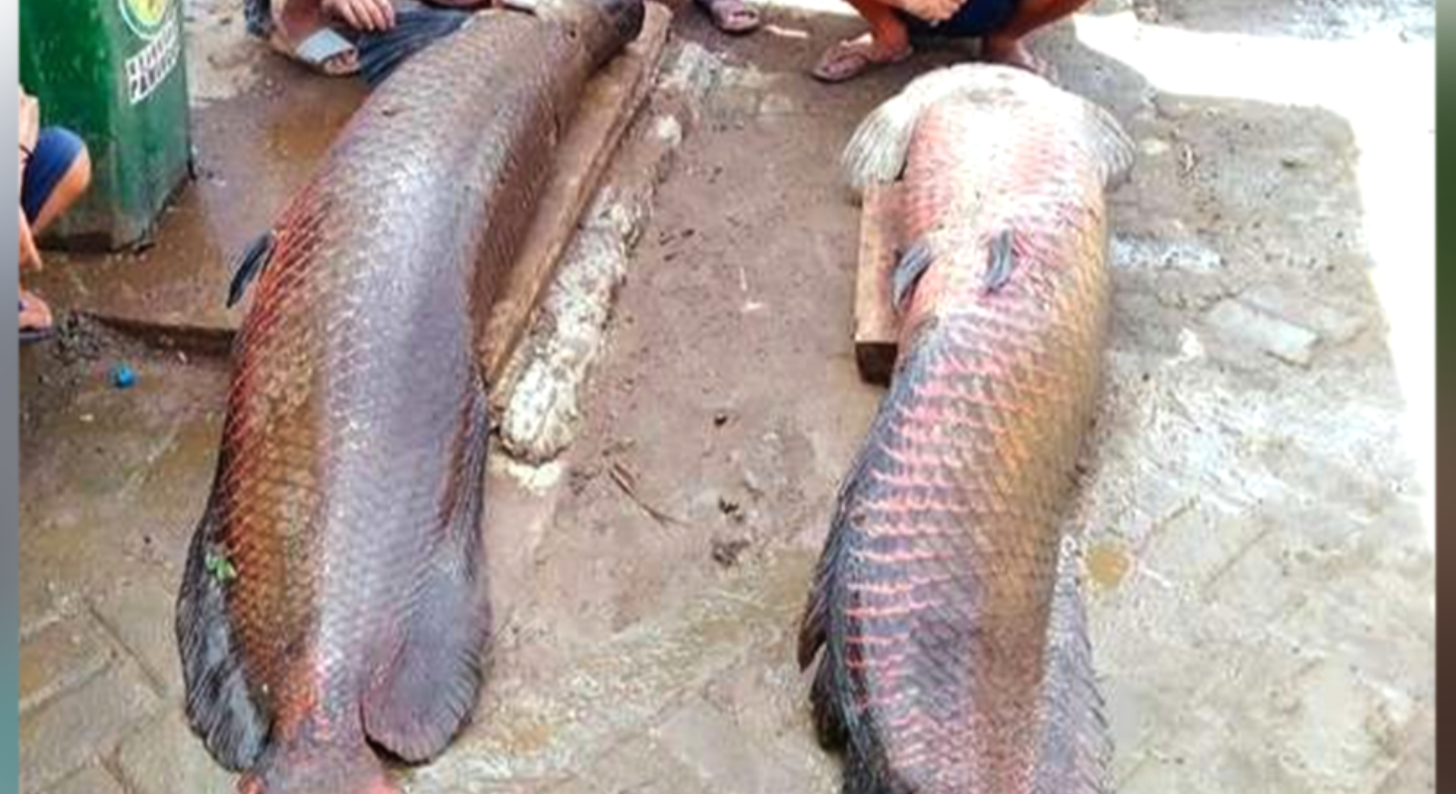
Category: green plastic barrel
<point>114,72</point>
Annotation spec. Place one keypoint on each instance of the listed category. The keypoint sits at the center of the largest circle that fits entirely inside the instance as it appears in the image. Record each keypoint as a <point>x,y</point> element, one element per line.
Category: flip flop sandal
<point>732,16</point>
<point>826,72</point>
<point>30,336</point>
<point>318,50</point>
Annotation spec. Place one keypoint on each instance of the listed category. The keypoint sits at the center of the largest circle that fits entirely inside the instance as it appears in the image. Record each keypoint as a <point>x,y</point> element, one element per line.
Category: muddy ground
<point>1257,556</point>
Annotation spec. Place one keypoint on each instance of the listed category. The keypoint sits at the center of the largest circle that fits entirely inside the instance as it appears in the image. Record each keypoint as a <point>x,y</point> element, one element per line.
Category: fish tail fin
<point>429,687</point>
<point>877,150</point>
<point>219,703</point>
<point>1076,744</point>
<point>309,768</point>
<point>415,28</point>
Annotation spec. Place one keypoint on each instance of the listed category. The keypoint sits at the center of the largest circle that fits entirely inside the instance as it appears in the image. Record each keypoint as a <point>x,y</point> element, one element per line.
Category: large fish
<point>955,655</point>
<point>334,596</point>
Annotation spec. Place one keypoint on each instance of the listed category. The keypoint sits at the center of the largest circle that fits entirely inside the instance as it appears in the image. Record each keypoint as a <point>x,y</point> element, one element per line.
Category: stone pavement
<point>1259,574</point>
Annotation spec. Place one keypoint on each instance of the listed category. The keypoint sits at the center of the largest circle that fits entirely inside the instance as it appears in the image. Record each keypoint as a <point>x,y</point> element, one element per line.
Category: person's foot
<point>36,322</point>
<point>850,59</point>
<point>1012,52</point>
<point>301,34</point>
<point>731,16</point>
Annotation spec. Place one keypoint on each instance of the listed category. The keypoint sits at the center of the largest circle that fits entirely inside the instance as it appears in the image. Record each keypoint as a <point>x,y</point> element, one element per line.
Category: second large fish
<point>334,596</point>
<point>955,657</point>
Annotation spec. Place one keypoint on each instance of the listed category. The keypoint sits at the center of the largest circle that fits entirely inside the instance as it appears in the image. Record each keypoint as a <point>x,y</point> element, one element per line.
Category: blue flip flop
<point>322,46</point>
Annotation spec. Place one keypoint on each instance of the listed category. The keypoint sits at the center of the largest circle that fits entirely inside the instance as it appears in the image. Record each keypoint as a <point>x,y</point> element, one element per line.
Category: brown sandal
<point>324,51</point>
<point>850,59</point>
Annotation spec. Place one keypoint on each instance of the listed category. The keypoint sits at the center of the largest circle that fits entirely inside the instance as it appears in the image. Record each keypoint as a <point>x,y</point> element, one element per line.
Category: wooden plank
<point>608,106</point>
<point>876,328</point>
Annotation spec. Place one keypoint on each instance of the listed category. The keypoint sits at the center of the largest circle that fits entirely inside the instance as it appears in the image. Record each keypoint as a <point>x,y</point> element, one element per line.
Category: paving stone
<point>1369,634</point>
<point>1171,763</point>
<point>1417,770</point>
<point>39,603</point>
<point>542,732</point>
<point>640,766</point>
<point>769,699</point>
<point>140,615</point>
<point>1140,253</point>
<point>85,725</point>
<point>60,657</point>
<point>1134,714</point>
<point>90,780</point>
<point>164,757</point>
<point>1246,327</point>
<point>702,738</point>
<point>1200,546</point>
<point>1334,325</point>
<point>1333,728</point>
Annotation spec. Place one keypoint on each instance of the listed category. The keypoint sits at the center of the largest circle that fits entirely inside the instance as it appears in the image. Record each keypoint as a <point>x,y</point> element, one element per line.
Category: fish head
<point>601,27</point>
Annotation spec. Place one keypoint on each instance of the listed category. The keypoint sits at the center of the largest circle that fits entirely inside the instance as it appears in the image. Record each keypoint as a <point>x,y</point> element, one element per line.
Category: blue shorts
<point>56,150</point>
<point>975,19</point>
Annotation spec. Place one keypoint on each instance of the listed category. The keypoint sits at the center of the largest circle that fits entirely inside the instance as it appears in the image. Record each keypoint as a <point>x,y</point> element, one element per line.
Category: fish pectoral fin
<point>914,261</point>
<point>429,688</point>
<point>1000,262</point>
<point>1075,749</point>
<point>219,703</point>
<point>249,265</point>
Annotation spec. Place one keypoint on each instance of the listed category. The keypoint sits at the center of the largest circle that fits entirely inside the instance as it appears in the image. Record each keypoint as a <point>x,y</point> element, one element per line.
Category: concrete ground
<point>1258,547</point>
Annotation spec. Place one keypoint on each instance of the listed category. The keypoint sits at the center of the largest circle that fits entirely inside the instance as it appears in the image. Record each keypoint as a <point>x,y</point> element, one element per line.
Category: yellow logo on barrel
<point>145,17</point>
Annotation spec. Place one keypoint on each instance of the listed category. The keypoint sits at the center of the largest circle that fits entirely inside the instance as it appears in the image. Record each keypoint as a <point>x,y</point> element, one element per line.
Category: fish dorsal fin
<point>913,263</point>
<point>251,263</point>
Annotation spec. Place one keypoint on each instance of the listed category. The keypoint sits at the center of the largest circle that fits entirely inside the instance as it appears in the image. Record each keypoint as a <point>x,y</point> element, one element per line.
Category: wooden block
<point>876,328</point>
<point>610,101</point>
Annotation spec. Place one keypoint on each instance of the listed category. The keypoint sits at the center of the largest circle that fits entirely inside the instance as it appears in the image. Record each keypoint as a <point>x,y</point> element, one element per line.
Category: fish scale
<point>954,655</point>
<point>347,495</point>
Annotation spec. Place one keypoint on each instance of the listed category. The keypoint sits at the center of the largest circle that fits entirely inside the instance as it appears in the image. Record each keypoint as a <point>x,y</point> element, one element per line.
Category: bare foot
<point>36,321</point>
<point>1011,52</point>
<point>731,16</point>
<point>301,34</point>
<point>850,59</point>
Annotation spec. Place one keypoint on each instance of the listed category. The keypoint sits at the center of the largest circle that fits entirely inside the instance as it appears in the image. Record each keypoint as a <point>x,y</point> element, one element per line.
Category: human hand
<point>372,15</point>
<point>29,254</point>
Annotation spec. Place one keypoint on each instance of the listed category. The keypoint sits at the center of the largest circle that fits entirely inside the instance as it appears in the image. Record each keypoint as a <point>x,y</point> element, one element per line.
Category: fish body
<point>954,656</point>
<point>334,595</point>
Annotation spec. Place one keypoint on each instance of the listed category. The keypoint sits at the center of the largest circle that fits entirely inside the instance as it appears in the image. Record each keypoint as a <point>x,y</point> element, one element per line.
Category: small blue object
<point>122,376</point>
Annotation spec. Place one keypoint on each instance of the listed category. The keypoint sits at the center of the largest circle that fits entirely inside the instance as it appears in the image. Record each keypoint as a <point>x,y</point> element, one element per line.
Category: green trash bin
<point>114,72</point>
